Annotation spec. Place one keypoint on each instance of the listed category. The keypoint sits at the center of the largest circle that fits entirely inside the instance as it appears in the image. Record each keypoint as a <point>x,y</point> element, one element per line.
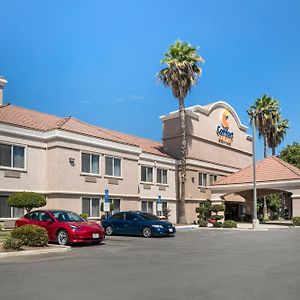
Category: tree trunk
<point>181,203</point>
<point>265,147</point>
<point>273,151</point>
<point>265,209</point>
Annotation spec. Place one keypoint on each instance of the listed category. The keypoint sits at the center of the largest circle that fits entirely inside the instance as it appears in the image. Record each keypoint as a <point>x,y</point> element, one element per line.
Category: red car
<point>64,227</point>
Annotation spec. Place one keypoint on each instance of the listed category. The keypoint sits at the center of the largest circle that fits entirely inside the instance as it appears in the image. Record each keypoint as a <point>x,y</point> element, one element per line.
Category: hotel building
<point>73,163</point>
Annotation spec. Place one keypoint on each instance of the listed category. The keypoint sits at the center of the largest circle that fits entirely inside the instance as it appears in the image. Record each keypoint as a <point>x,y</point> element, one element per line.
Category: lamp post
<point>255,221</point>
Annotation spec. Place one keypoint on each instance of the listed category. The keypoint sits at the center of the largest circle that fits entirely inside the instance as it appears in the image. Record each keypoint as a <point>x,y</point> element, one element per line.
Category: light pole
<point>255,221</point>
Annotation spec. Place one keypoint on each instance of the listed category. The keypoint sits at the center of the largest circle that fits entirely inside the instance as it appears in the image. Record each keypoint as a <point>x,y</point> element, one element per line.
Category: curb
<point>53,249</point>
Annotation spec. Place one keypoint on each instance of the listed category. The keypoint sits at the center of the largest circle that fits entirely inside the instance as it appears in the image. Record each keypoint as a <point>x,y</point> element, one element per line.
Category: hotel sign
<point>225,136</point>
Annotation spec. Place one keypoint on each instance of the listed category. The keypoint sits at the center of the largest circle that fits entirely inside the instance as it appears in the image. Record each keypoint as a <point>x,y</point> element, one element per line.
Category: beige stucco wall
<point>203,142</point>
<point>33,177</point>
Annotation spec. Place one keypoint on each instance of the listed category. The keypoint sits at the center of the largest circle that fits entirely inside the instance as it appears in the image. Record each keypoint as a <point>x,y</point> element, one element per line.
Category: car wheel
<point>147,232</point>
<point>62,237</point>
<point>109,230</point>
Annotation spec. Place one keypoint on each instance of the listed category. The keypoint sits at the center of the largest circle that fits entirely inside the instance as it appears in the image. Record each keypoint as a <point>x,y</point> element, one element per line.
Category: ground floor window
<point>147,206</point>
<point>164,209</point>
<point>115,203</point>
<point>91,207</point>
<point>7,211</point>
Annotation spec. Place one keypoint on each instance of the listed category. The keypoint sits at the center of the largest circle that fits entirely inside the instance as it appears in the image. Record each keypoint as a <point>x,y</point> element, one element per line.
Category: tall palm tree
<point>265,112</point>
<point>180,74</point>
<point>277,134</point>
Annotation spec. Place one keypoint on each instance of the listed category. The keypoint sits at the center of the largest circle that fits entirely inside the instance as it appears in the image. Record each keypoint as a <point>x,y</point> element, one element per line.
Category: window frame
<point>150,167</point>
<point>161,169</point>
<point>202,175</point>
<point>90,213</point>
<point>90,166</point>
<point>11,167</point>
<point>113,165</point>
<point>148,204</point>
<point>212,178</point>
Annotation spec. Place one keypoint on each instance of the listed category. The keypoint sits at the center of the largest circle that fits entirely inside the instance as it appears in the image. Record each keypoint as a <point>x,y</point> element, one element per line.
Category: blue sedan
<point>137,223</point>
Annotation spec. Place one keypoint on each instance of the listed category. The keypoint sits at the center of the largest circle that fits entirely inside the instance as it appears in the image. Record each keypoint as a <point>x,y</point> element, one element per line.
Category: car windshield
<point>147,216</point>
<point>66,216</point>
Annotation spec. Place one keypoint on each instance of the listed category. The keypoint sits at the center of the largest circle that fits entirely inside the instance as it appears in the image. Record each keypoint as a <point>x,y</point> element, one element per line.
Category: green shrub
<point>202,223</point>
<point>31,235</point>
<point>217,224</point>
<point>12,244</point>
<point>84,216</point>
<point>229,224</point>
<point>27,200</point>
<point>296,221</point>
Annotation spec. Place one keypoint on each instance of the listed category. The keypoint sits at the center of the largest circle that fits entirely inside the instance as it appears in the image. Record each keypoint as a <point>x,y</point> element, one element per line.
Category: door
<point>117,223</point>
<point>131,224</point>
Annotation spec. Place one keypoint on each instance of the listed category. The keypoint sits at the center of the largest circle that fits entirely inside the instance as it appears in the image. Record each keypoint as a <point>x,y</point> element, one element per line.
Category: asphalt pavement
<point>198,264</point>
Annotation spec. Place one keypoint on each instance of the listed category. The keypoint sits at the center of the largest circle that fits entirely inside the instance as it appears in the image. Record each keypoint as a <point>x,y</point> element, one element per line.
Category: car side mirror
<point>49,221</point>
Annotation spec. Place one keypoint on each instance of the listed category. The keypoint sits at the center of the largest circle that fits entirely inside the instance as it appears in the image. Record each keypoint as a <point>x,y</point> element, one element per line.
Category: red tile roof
<point>271,168</point>
<point>22,117</point>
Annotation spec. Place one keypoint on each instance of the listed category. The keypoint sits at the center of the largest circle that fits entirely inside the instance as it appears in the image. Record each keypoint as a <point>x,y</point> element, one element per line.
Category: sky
<point>97,60</point>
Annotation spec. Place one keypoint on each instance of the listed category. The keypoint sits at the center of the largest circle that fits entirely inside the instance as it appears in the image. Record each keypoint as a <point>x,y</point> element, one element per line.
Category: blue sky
<point>97,60</point>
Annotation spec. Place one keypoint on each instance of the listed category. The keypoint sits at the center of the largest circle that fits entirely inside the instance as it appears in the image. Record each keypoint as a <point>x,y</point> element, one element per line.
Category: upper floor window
<point>12,156</point>
<point>203,179</point>
<point>90,163</point>
<point>162,176</point>
<point>112,166</point>
<point>213,178</point>
<point>146,174</point>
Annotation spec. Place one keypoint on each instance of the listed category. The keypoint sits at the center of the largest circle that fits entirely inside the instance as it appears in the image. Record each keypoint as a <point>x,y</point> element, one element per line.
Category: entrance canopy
<point>273,175</point>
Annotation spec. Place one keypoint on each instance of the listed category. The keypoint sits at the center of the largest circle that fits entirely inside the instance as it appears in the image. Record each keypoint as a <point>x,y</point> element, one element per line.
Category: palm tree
<point>265,112</point>
<point>277,134</point>
<point>180,75</point>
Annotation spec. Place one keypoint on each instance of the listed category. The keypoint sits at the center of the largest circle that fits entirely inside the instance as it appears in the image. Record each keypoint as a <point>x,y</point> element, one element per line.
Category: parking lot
<point>198,264</point>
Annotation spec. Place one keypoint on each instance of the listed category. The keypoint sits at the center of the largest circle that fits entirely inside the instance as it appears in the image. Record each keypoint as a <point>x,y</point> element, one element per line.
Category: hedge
<point>31,235</point>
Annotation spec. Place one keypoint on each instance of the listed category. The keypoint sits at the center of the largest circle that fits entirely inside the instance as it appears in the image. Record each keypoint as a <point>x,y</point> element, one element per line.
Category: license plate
<point>95,235</point>
<point>170,229</point>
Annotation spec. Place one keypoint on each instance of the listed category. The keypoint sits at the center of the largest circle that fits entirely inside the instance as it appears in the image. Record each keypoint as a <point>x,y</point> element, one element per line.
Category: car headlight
<point>73,227</point>
<point>157,226</point>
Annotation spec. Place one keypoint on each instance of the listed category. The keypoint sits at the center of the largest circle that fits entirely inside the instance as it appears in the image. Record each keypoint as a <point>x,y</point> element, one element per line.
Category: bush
<point>296,221</point>
<point>13,244</point>
<point>229,224</point>
<point>27,200</point>
<point>1,227</point>
<point>217,224</point>
<point>84,216</point>
<point>202,223</point>
<point>31,235</point>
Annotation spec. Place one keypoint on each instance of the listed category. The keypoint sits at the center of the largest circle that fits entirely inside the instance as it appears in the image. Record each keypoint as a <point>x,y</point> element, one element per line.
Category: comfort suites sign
<point>225,136</point>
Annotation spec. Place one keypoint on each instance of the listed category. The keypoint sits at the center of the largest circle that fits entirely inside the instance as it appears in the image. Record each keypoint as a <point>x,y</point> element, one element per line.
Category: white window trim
<point>153,175</point>
<point>11,162</point>
<point>100,163</point>
<point>207,178</point>
<point>91,206</point>
<point>121,166</point>
<point>160,183</point>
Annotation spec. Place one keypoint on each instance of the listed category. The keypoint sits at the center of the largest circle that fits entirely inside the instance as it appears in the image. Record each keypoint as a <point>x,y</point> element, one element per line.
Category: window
<point>9,212</point>
<point>202,179</point>
<point>164,209</point>
<point>212,178</point>
<point>131,217</point>
<point>146,174</point>
<point>162,176</point>
<point>147,206</point>
<point>89,163</point>
<point>116,205</point>
<point>119,216</point>
<point>91,206</point>
<point>12,156</point>
<point>112,166</point>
